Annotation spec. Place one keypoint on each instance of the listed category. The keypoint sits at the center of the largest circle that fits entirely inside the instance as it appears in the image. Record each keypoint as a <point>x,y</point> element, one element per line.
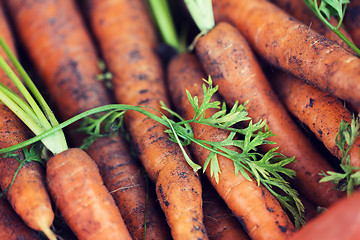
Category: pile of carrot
<point>276,56</point>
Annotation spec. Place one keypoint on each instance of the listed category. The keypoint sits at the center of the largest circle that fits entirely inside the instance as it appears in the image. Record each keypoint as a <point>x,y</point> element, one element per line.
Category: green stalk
<point>34,118</point>
<point>161,12</point>
<point>202,13</point>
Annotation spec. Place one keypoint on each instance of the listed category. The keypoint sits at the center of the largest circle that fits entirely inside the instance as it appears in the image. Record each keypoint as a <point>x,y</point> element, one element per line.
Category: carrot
<point>321,112</point>
<point>75,76</point>
<point>123,29</point>
<point>302,12</point>
<point>11,226</point>
<point>261,214</point>
<point>352,20</point>
<point>310,209</point>
<point>27,193</point>
<point>340,221</point>
<point>220,223</point>
<point>294,47</point>
<point>226,56</point>
<point>77,189</point>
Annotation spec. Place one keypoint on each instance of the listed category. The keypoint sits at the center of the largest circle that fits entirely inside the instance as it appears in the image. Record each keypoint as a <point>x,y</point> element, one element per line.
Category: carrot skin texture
<point>77,189</point>
<point>123,29</point>
<point>259,210</point>
<point>292,46</point>
<point>340,221</point>
<point>227,57</point>
<point>220,223</point>
<point>321,112</point>
<point>74,88</point>
<point>11,225</point>
<point>352,20</point>
<point>302,12</point>
<point>28,194</point>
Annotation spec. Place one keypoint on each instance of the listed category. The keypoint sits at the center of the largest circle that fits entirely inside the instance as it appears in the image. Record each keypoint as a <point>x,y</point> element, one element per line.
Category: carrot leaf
<point>349,180</point>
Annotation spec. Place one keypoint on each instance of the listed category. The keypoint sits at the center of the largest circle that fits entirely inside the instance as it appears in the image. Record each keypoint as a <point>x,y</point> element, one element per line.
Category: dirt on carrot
<point>123,29</point>
<point>73,86</point>
<point>292,46</point>
<point>227,57</point>
<point>260,212</point>
<point>321,112</point>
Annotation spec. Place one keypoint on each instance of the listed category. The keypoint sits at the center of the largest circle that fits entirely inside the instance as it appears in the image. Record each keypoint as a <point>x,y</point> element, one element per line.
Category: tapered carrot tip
<point>78,191</point>
<point>48,233</point>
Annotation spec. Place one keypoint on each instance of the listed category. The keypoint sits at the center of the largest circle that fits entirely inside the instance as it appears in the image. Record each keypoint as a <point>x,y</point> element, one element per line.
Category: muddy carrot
<point>321,112</point>
<point>260,212</point>
<point>123,28</point>
<point>11,226</point>
<point>292,46</point>
<point>27,194</point>
<point>227,57</point>
<point>73,85</point>
<point>302,12</point>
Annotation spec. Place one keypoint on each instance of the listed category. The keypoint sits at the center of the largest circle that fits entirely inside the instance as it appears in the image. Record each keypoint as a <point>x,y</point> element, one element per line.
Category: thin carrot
<point>292,46</point>
<point>302,12</point>
<point>219,221</point>
<point>72,82</point>
<point>321,112</point>
<point>11,226</point>
<point>123,29</point>
<point>260,212</point>
<point>227,57</point>
<point>352,20</point>
<point>340,221</point>
<point>27,194</point>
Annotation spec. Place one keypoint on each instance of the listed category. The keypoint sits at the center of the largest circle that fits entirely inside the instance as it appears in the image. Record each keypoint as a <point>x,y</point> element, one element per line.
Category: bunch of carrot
<point>103,192</point>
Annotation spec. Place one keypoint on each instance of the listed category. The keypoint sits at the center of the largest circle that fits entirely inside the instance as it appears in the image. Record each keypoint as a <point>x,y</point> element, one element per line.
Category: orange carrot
<point>227,57</point>
<point>352,20</point>
<point>340,221</point>
<point>292,46</point>
<point>27,194</point>
<point>220,223</point>
<point>11,226</point>
<point>302,12</point>
<point>77,189</point>
<point>260,212</point>
<point>71,81</point>
<point>123,29</point>
<point>321,112</point>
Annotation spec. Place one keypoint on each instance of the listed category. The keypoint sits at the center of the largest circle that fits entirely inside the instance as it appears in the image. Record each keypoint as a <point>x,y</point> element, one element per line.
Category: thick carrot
<point>260,212</point>
<point>28,194</point>
<point>77,189</point>
<point>73,86</point>
<point>227,57</point>
<point>11,226</point>
<point>292,46</point>
<point>302,12</point>
<point>340,221</point>
<point>123,29</point>
<point>219,221</point>
<point>352,20</point>
<point>321,112</point>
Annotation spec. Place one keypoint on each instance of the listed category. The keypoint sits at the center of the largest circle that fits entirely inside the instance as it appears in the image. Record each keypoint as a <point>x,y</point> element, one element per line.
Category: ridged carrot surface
<point>73,86</point>
<point>321,112</point>
<point>260,212</point>
<point>292,46</point>
<point>227,57</point>
<point>28,194</point>
<point>127,39</point>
